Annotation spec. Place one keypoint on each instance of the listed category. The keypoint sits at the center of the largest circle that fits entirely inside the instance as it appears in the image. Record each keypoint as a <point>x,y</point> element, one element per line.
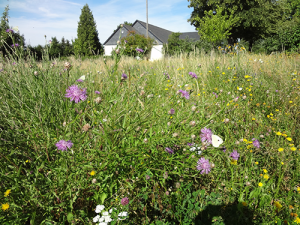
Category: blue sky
<point>36,18</point>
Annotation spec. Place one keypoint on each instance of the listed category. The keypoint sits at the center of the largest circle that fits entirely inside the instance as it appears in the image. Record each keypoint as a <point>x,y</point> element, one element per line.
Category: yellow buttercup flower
<point>278,133</point>
<point>265,171</point>
<point>93,173</point>
<point>266,176</point>
<point>7,193</point>
<point>5,206</point>
<point>260,184</point>
<point>293,148</point>
<point>277,205</point>
<point>289,139</point>
<point>297,220</point>
<point>280,149</point>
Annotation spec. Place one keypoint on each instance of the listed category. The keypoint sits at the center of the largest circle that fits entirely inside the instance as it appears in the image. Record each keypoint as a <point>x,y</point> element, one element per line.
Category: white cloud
<point>36,18</point>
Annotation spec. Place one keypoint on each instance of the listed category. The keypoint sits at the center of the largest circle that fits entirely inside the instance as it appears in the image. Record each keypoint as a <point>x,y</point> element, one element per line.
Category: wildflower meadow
<point>204,138</point>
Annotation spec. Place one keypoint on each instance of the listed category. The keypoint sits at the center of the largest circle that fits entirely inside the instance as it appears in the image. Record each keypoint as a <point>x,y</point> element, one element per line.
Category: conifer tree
<point>87,41</point>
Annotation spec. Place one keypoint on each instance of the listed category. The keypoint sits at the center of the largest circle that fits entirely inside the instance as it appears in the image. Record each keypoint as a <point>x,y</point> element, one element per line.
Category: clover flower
<point>76,94</point>
<point>184,94</point>
<point>206,135</point>
<point>235,155</point>
<point>124,201</point>
<point>203,165</point>
<point>64,145</point>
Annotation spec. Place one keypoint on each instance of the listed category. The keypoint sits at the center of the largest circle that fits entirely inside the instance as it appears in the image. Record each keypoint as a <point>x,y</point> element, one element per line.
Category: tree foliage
<point>87,41</point>
<point>187,45</point>
<point>132,41</point>
<point>10,38</point>
<point>214,26</point>
<point>257,18</point>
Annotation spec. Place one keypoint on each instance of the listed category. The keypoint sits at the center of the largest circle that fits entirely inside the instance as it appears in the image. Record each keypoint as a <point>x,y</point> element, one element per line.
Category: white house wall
<point>156,52</point>
<point>108,49</point>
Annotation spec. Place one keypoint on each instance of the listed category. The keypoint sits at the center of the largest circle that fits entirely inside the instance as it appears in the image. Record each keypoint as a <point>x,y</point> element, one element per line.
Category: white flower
<point>82,78</point>
<point>240,89</point>
<point>105,213</point>
<point>110,211</point>
<point>192,149</point>
<point>104,120</point>
<point>199,152</point>
<point>103,223</point>
<point>122,214</point>
<point>101,219</point>
<point>96,219</point>
<point>99,208</point>
<point>107,218</point>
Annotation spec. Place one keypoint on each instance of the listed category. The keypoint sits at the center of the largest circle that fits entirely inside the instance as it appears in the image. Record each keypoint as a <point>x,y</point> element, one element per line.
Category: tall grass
<point>121,153</point>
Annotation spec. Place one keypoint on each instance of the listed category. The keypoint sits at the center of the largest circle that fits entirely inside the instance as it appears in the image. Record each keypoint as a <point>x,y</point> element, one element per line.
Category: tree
<point>11,38</point>
<point>215,27</point>
<point>257,18</point>
<point>55,50</point>
<point>87,41</point>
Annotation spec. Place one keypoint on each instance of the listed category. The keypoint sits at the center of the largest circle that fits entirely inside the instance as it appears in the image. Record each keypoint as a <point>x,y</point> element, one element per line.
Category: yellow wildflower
<point>93,173</point>
<point>280,149</point>
<point>265,171</point>
<point>244,203</point>
<point>293,148</point>
<point>278,133</point>
<point>277,205</point>
<point>289,139</point>
<point>266,176</point>
<point>256,163</point>
<point>260,184</point>
<point>5,206</point>
<point>7,193</point>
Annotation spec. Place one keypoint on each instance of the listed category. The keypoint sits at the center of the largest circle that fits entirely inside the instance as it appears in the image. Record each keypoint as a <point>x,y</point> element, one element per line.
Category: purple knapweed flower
<point>76,94</point>
<point>206,135</point>
<point>139,50</point>
<point>15,45</point>
<point>171,111</point>
<point>147,177</point>
<point>256,143</point>
<point>97,92</point>
<point>169,150</point>
<point>9,31</point>
<point>124,201</point>
<point>79,80</point>
<point>14,63</point>
<point>203,165</point>
<point>63,145</point>
<point>235,155</point>
<point>190,144</point>
<point>193,75</point>
<point>184,94</point>
<point>124,76</point>
<point>223,149</point>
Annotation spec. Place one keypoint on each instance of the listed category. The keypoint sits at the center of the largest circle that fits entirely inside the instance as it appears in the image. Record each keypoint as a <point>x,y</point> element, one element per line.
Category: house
<point>159,35</point>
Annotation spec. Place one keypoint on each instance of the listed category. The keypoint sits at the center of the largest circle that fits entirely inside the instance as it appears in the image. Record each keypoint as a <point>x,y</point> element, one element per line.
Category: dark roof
<point>160,33</point>
<point>128,28</point>
<point>190,35</point>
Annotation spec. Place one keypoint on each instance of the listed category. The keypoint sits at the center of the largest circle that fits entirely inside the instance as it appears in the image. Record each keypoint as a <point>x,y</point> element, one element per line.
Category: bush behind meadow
<point>136,142</point>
